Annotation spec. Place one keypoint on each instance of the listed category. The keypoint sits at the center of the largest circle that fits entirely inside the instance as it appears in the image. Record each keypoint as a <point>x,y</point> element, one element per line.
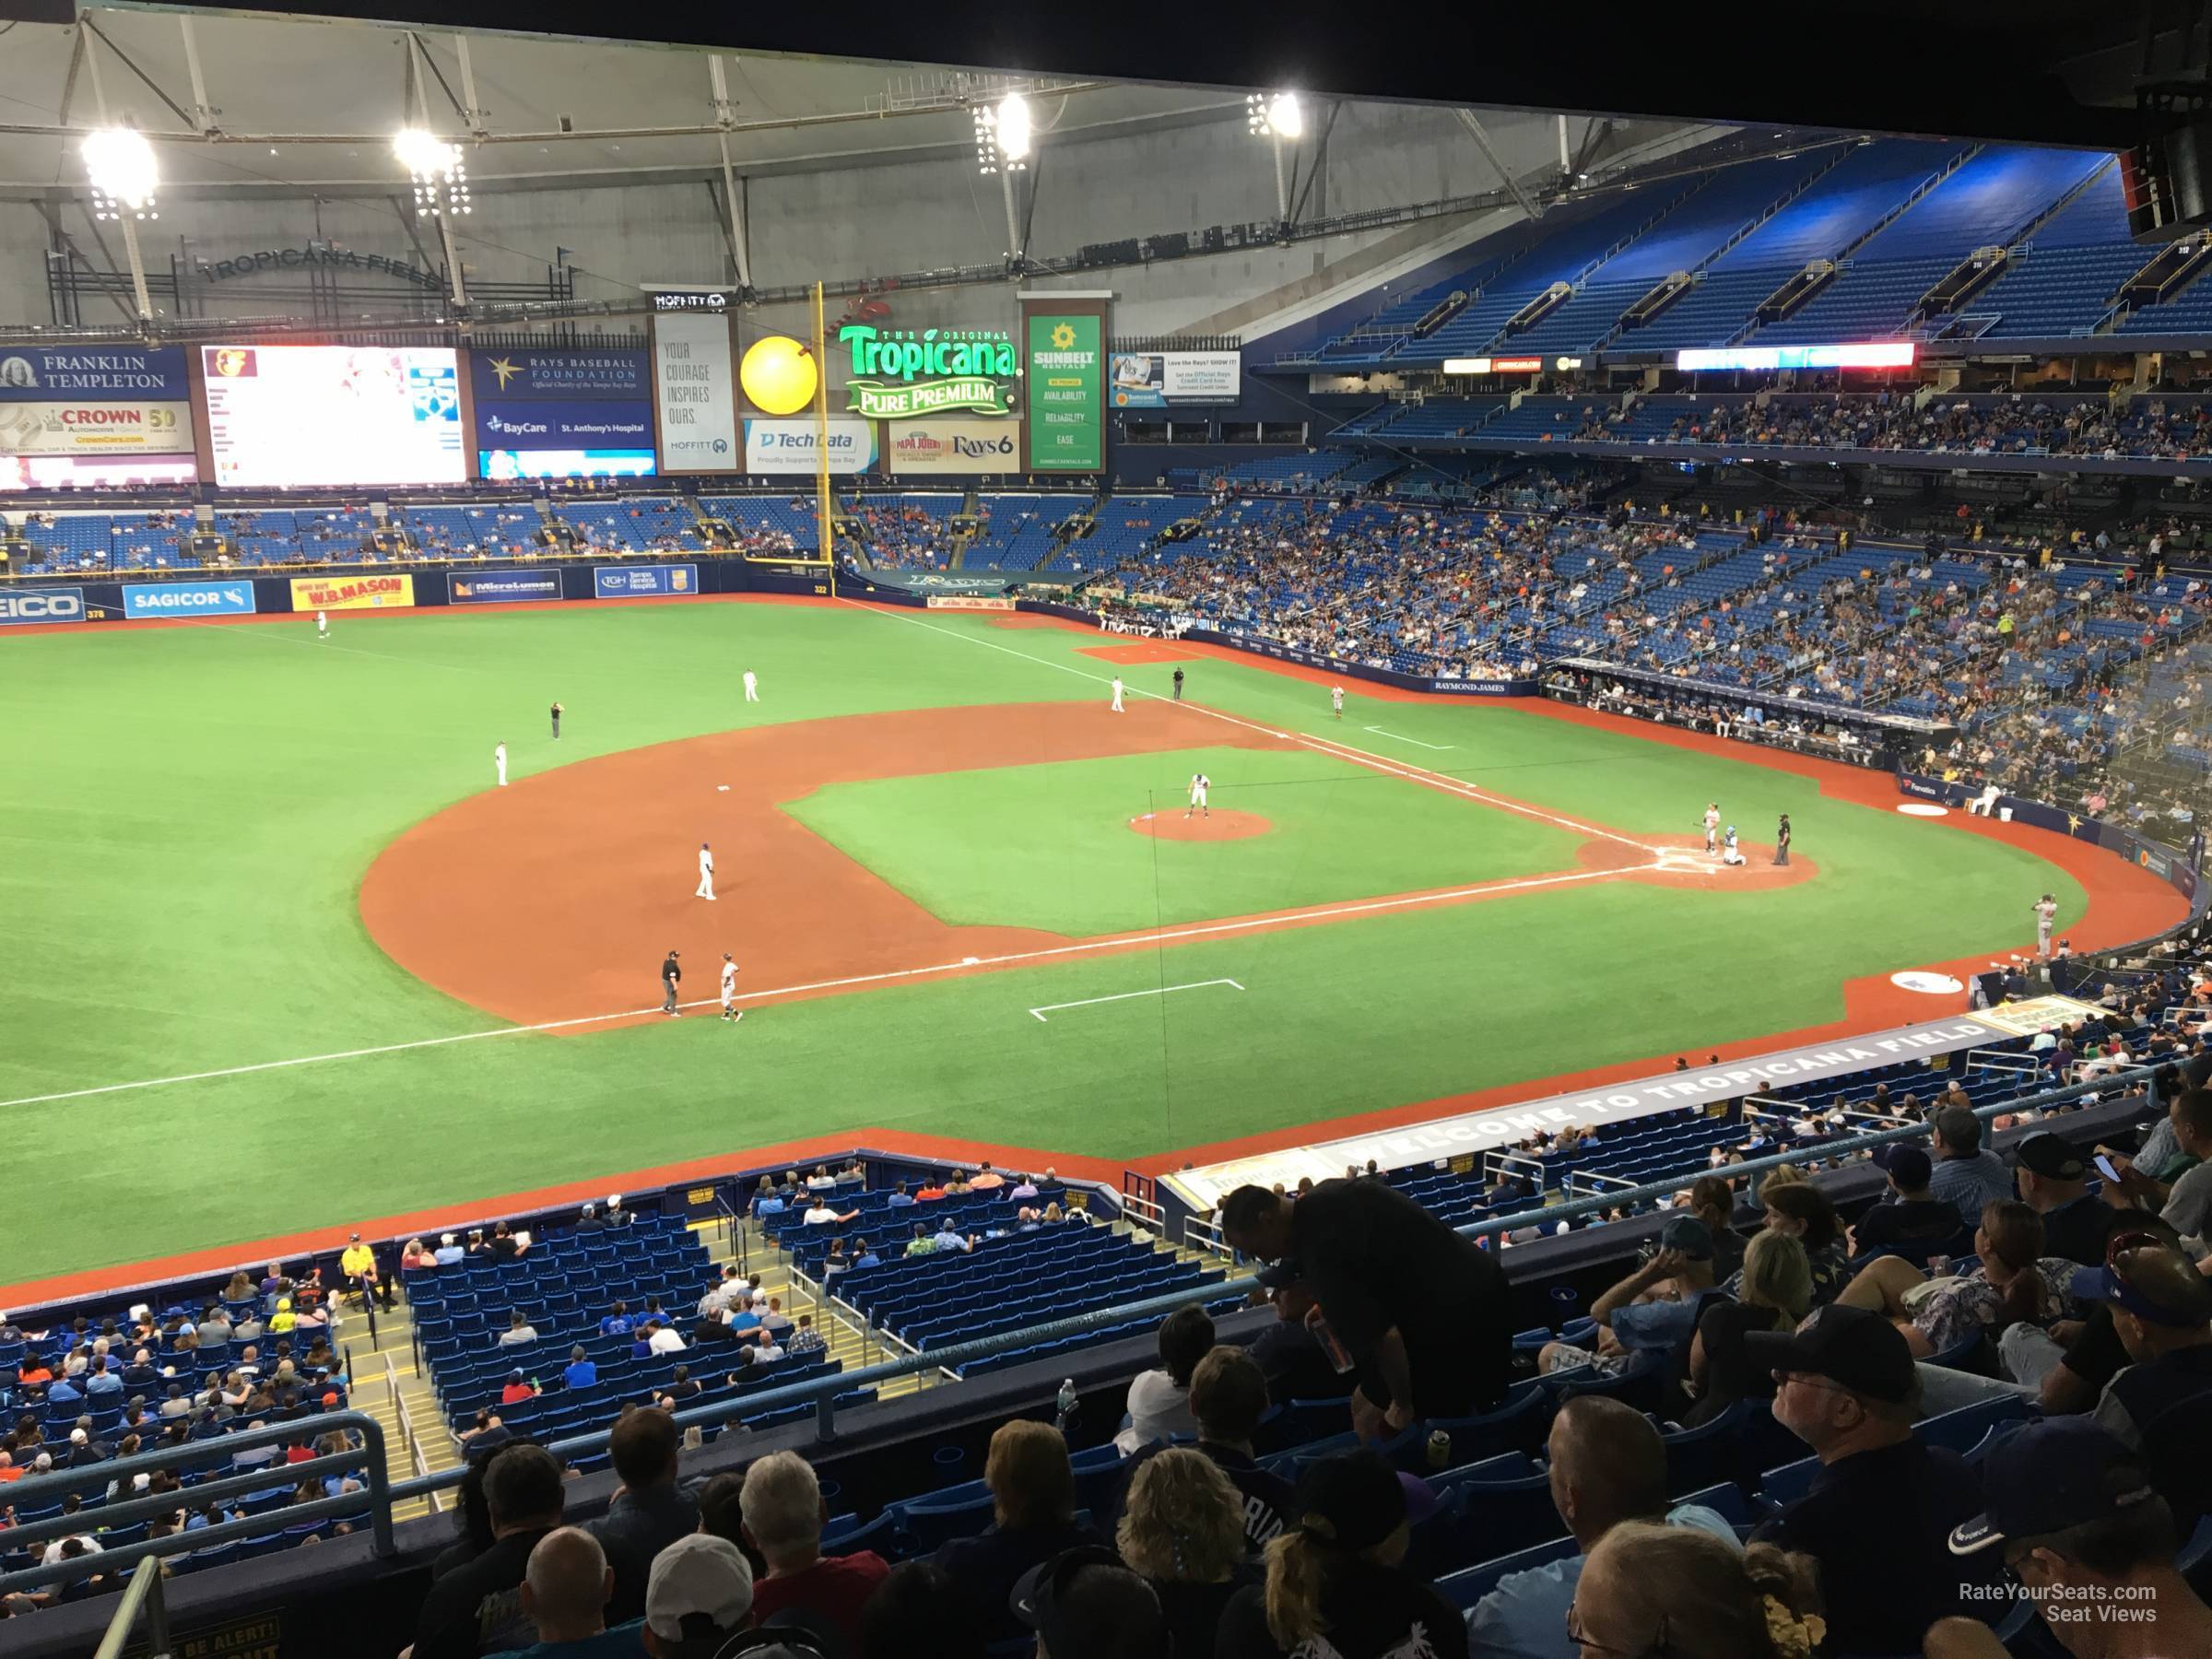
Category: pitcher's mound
<point>1222,825</point>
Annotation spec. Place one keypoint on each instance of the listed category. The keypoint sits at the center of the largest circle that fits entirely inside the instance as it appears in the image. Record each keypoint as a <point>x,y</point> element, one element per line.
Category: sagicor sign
<point>145,600</point>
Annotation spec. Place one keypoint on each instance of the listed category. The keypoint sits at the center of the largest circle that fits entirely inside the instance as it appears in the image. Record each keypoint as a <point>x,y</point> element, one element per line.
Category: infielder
<point>671,977</point>
<point>498,758</point>
<point>556,723</point>
<point>1117,694</point>
<point>752,688</point>
<point>1337,700</point>
<point>730,1010</point>
<point>1200,784</point>
<point>1712,827</point>
<point>2046,912</point>
<point>706,872</point>
<point>322,628</point>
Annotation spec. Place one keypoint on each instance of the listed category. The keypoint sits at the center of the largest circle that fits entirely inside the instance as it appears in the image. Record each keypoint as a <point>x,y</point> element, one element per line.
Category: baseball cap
<point>2042,1477</point>
<point>1910,1166</point>
<point>2051,1155</point>
<point>1276,1275</point>
<point>700,1587</point>
<point>1039,1592</point>
<point>2110,1284</point>
<point>1852,1346</point>
<point>1353,1499</point>
<point>1689,1235</point>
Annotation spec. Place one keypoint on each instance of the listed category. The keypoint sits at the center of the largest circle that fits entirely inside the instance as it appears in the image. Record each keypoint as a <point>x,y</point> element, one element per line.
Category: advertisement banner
<point>968,602</point>
<point>1066,380</point>
<point>789,445</point>
<point>944,444</point>
<point>507,463</point>
<point>94,374</point>
<point>41,605</point>
<point>352,593</point>
<point>529,376</point>
<point>284,417</point>
<point>696,387</point>
<point>563,425</point>
<point>903,373</point>
<point>638,582</point>
<point>95,429</point>
<point>1153,379</point>
<point>142,600</point>
<point>94,472</point>
<point>503,587</point>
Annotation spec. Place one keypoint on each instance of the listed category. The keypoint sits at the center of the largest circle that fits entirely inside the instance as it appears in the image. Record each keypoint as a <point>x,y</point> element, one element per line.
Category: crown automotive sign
<point>903,373</point>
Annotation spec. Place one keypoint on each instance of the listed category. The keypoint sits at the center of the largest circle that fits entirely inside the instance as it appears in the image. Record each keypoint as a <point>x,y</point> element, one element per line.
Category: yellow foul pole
<point>821,443</point>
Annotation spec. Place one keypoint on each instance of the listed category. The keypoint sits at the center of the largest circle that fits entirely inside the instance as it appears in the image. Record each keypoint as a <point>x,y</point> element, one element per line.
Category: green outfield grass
<point>191,811</point>
<point>994,848</point>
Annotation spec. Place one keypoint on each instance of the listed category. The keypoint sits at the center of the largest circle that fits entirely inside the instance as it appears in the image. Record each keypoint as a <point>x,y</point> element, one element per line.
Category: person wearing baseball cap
<point>2074,1515</point>
<point>1336,1572</point>
<point>1655,1310</point>
<point>1911,1221</point>
<point>1084,1604</point>
<point>2160,1404</point>
<point>698,1596</point>
<point>2054,1179</point>
<point>1878,1513</point>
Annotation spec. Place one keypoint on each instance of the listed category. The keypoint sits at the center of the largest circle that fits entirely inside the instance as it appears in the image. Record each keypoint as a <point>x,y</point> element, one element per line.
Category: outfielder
<point>2046,912</point>
<point>1712,827</point>
<point>706,872</point>
<point>1337,700</point>
<point>322,628</point>
<point>752,688</point>
<point>556,723</point>
<point>1117,694</point>
<point>730,1010</point>
<point>498,758</point>
<point>1200,784</point>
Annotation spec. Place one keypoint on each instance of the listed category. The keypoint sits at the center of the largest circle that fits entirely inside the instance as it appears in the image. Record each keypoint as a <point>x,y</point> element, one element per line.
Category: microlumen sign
<point>929,372</point>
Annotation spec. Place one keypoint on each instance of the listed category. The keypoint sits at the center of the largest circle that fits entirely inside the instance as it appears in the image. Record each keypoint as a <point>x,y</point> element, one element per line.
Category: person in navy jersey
<point>2160,1403</point>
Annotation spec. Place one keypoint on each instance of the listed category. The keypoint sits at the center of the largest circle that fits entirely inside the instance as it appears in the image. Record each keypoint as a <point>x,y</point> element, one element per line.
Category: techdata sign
<point>642,582</point>
<point>547,414</point>
<point>953,443</point>
<point>94,400</point>
<point>143,601</point>
<point>41,605</point>
<point>794,446</point>
<point>900,373</point>
<point>503,587</point>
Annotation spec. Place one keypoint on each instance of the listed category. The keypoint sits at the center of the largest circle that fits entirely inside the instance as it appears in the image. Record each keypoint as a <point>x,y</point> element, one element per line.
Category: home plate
<point>722,789</point>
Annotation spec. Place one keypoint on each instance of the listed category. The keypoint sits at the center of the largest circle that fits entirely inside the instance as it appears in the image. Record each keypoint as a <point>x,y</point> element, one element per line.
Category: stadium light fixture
<point>1003,136</point>
<point>1274,115</point>
<point>124,173</point>
<point>440,174</point>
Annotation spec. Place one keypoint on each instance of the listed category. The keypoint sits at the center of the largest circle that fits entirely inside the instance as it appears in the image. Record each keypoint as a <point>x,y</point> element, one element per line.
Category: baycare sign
<point>899,373</point>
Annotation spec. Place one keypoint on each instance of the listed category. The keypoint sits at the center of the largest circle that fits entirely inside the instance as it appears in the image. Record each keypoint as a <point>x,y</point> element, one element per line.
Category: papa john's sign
<point>906,372</point>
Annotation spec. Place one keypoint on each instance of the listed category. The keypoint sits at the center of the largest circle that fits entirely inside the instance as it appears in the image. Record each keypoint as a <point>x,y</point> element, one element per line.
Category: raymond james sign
<point>330,258</point>
<point>929,372</point>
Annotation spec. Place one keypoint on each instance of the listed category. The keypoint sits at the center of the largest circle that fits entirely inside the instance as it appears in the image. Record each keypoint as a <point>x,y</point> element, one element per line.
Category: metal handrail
<point>418,1460</point>
<point>143,1593</point>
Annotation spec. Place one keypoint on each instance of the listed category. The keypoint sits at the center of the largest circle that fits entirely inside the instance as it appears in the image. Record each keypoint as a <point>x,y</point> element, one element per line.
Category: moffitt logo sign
<point>971,369</point>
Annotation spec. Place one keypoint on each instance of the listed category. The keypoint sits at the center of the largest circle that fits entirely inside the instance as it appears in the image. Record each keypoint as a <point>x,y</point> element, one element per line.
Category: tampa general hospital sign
<point>929,372</point>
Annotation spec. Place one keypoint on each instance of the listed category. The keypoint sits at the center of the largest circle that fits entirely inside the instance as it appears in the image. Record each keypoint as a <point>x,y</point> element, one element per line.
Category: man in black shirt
<point>649,1513</point>
<point>1178,685</point>
<point>1879,1515</point>
<point>1910,1216</point>
<point>1286,1351</point>
<point>1422,1312</point>
<point>556,723</point>
<point>2053,1179</point>
<point>671,977</point>
<point>477,1608</point>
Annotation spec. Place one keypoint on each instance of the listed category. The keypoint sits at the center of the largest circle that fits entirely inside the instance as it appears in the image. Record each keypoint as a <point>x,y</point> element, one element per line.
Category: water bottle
<point>1440,1450</point>
<point>1066,1405</point>
<point>1340,1357</point>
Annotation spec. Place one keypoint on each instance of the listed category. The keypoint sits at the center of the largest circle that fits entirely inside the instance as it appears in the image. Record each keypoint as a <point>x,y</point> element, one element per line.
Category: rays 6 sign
<point>929,372</point>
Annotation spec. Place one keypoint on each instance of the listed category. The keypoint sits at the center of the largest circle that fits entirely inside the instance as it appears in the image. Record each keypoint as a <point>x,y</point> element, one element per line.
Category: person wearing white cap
<point>698,1595</point>
<point>449,1250</point>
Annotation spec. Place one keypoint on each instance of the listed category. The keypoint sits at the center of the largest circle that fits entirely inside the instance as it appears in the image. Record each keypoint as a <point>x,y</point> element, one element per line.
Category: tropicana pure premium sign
<point>905,372</point>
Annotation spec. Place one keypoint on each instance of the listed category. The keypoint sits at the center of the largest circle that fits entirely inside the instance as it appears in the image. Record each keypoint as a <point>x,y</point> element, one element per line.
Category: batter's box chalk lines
<point>1417,743</point>
<point>1039,1014</point>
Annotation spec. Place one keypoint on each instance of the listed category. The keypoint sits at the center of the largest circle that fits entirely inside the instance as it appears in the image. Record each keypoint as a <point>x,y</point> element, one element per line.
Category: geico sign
<point>41,607</point>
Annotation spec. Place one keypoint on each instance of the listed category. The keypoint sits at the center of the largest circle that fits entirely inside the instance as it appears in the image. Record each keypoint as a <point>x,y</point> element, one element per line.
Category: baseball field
<point>282,957</point>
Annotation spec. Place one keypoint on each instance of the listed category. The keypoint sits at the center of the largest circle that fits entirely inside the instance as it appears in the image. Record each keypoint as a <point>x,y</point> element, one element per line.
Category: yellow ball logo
<point>778,374</point>
<point>1063,337</point>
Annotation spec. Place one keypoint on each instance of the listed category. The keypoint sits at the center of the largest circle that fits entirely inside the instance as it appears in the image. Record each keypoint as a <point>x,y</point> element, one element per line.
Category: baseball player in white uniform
<point>730,1010</point>
<point>498,758</point>
<point>321,628</point>
<point>1200,784</point>
<point>1337,700</point>
<point>1986,804</point>
<point>1712,827</point>
<point>1117,694</point>
<point>2046,912</point>
<point>752,688</point>
<point>706,872</point>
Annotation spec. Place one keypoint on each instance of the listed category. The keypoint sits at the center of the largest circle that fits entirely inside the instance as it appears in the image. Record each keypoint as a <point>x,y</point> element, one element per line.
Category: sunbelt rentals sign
<point>906,372</point>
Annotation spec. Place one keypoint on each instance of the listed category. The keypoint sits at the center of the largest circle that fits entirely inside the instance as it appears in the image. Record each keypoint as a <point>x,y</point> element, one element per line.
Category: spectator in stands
<point>650,1509</point>
<point>805,1339</point>
<point>1033,1506</point>
<point>2160,1404</point>
<point>564,1596</point>
<point>1772,1295</point>
<point>929,1192</point>
<point>663,1339</point>
<point>1654,1310</point>
<point>783,1513</point>
<point>1966,1176</point>
<point>919,1613</point>
<point>580,1371</point>
<point>1023,1187</point>
<point>901,1198</point>
<point>1877,1514</point>
<point>1228,1398</point>
<point>476,1606</point>
<point>1713,1201</point>
<point>449,1250</point>
<point>1911,1220</point>
<point>1159,1398</point>
<point>1289,1351</point>
<point>1608,1467</point>
<point>2012,1281</point>
<point>2073,1514</point>
<point>505,1246</point>
<point>1183,1531</point>
<point>617,1322</point>
<point>517,1389</point>
<point>1649,1589</point>
<point>1336,1583</point>
<point>415,1254</point>
<point>1421,1312</point>
<point>519,1330</point>
<point>615,1214</point>
<point>357,1263</point>
<point>820,1212</point>
<point>698,1598</point>
<point>921,1245</point>
<point>835,1266</point>
<point>986,1179</point>
<point>767,1201</point>
<point>1802,1210</point>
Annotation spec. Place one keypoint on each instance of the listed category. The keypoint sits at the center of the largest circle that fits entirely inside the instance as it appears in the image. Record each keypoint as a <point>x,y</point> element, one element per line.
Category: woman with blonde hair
<point>1336,1580</point>
<point>1032,1489</point>
<point>1649,1589</point>
<point>1773,1292</point>
<point>1183,1532</point>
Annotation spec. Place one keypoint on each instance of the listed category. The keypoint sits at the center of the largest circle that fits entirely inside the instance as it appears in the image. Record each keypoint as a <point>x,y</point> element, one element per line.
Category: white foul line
<point>1417,743</point>
<point>1039,1014</point>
